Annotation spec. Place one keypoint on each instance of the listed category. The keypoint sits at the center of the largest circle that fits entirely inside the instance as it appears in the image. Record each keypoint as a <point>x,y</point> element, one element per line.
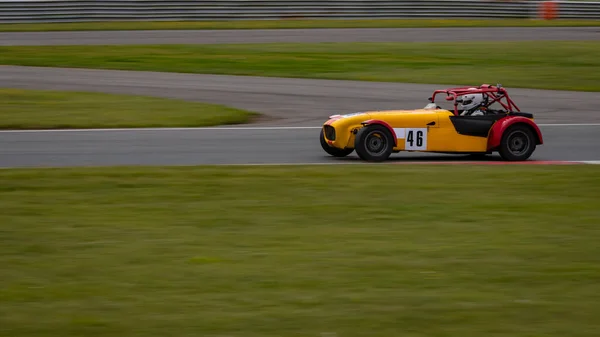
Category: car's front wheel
<point>517,144</point>
<point>334,151</point>
<point>374,143</point>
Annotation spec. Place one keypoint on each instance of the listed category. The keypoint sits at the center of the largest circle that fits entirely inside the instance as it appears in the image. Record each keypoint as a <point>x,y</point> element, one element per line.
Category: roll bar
<point>495,93</point>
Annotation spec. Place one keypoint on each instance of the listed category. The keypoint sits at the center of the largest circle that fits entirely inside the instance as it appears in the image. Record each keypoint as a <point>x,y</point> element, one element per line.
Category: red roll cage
<point>494,93</point>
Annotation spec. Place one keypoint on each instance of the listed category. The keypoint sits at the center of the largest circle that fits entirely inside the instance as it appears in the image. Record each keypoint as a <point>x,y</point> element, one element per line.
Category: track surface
<point>233,146</point>
<point>286,102</point>
<point>298,102</point>
<point>300,35</point>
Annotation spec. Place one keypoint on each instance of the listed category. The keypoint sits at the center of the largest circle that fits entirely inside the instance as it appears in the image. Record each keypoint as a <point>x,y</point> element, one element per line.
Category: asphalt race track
<point>300,35</point>
<point>294,108</point>
<point>234,146</point>
<point>285,101</point>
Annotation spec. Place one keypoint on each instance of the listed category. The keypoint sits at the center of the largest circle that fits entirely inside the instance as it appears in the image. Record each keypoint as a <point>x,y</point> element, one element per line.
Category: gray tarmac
<point>283,102</point>
<point>298,35</point>
<point>286,101</point>
<point>235,146</point>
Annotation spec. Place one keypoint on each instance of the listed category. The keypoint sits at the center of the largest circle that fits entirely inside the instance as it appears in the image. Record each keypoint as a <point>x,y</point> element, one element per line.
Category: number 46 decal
<point>416,139</point>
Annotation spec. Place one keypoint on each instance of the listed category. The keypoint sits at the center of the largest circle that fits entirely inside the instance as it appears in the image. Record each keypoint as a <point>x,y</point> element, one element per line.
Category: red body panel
<point>380,122</point>
<point>499,127</point>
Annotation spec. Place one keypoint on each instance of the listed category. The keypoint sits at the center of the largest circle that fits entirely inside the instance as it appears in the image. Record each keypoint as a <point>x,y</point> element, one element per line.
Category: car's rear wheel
<point>517,144</point>
<point>374,143</point>
<point>334,151</point>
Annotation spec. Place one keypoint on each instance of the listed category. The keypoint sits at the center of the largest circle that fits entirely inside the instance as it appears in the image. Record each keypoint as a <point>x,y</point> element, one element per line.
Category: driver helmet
<point>471,101</point>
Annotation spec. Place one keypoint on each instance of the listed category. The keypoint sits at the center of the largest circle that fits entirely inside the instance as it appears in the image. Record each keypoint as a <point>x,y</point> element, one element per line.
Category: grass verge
<point>291,24</point>
<point>530,64</point>
<point>300,251</point>
<point>41,109</point>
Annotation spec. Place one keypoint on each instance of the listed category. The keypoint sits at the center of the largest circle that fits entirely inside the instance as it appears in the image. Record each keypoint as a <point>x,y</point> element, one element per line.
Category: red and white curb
<point>421,162</point>
<point>528,162</point>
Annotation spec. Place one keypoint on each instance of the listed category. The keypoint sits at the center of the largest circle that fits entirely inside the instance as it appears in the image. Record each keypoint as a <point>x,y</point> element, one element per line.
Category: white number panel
<point>415,139</point>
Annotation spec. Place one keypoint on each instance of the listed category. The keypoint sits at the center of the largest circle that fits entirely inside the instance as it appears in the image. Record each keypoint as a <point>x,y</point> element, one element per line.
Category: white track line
<point>359,163</point>
<point>417,162</point>
<point>166,129</point>
<point>245,128</point>
<point>412,162</point>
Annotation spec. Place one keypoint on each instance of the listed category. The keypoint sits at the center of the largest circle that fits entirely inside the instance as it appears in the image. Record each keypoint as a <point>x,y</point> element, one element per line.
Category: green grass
<point>353,251</point>
<point>529,64</point>
<point>292,23</point>
<point>41,109</point>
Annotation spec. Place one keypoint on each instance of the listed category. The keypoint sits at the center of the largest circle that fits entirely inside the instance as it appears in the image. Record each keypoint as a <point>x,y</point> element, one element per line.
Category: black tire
<point>517,144</point>
<point>334,151</point>
<point>374,143</point>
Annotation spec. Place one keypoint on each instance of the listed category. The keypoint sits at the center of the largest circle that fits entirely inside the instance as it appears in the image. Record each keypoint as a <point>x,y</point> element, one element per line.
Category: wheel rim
<point>376,143</point>
<point>518,143</point>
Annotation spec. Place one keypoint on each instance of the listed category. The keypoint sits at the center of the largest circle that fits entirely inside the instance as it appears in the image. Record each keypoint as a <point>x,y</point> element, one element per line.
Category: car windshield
<point>441,103</point>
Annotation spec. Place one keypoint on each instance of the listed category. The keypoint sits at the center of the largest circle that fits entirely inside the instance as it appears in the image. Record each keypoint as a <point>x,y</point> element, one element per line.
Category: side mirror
<point>449,98</point>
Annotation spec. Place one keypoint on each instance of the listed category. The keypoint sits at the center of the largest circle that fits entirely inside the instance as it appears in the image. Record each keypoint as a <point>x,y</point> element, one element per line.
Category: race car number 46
<point>416,139</point>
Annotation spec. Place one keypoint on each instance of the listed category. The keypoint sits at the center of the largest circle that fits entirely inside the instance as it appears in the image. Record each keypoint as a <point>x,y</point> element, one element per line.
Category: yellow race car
<point>469,126</point>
